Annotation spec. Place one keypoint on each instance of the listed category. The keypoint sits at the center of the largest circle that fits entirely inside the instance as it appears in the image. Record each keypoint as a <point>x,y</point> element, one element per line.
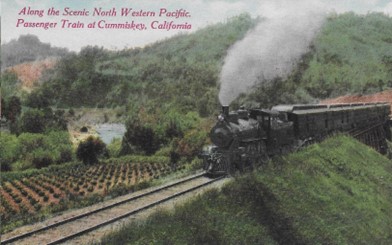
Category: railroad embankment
<point>335,192</point>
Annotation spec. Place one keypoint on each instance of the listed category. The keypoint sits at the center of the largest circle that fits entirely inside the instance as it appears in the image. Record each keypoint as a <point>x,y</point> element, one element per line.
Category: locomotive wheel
<point>222,165</point>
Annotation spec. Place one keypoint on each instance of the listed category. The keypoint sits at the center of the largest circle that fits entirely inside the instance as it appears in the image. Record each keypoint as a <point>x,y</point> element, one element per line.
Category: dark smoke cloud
<point>272,49</point>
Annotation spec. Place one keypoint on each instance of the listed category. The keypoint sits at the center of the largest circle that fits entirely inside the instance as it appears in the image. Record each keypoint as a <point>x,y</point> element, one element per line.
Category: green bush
<point>9,148</point>
<point>40,158</point>
<point>33,121</point>
<point>90,149</point>
<point>140,138</point>
<point>114,148</point>
<point>59,144</point>
<point>34,150</point>
<point>192,143</point>
<point>9,84</point>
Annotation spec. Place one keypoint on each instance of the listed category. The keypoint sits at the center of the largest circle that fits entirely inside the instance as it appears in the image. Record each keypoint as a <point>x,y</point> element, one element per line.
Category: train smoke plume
<point>272,48</point>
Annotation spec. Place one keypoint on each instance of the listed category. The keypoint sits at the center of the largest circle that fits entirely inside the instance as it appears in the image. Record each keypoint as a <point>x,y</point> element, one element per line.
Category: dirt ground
<point>385,96</point>
<point>29,73</point>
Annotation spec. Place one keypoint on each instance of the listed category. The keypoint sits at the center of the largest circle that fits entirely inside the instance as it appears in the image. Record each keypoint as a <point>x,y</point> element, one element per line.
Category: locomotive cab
<point>279,130</point>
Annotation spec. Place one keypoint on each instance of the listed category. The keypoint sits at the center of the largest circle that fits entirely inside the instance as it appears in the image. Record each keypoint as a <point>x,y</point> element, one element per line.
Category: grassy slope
<point>337,192</point>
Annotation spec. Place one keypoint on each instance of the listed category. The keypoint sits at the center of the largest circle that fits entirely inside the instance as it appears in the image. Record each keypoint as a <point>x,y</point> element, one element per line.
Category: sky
<point>201,13</point>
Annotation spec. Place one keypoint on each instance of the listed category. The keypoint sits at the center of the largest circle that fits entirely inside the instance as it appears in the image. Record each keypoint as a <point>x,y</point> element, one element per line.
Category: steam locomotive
<point>243,139</point>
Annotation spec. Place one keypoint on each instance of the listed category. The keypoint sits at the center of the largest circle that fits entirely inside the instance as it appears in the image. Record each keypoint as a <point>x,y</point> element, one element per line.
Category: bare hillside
<point>385,96</point>
<point>29,73</point>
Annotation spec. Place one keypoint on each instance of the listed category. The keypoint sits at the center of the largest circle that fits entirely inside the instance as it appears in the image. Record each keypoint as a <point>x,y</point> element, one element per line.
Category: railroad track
<point>70,228</point>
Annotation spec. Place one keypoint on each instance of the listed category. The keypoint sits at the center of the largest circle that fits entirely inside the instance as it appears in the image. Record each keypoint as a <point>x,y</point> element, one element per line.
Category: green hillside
<point>352,54</point>
<point>336,192</point>
<point>171,72</point>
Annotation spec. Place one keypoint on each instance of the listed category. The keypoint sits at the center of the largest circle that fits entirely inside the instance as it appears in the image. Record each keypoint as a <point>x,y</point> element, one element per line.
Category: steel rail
<point>87,230</point>
<point>88,213</point>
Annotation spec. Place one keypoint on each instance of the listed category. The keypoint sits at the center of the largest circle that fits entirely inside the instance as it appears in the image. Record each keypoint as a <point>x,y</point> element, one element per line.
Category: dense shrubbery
<point>9,148</point>
<point>41,121</point>
<point>39,137</point>
<point>140,138</point>
<point>9,85</point>
<point>114,147</point>
<point>90,149</point>
<point>172,134</point>
<point>30,150</point>
<point>11,108</point>
<point>37,116</point>
<point>75,76</point>
<point>351,54</point>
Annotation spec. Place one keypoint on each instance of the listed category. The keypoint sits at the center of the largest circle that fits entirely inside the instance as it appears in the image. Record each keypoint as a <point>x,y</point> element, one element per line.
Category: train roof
<point>291,108</point>
<point>314,108</point>
<point>264,112</point>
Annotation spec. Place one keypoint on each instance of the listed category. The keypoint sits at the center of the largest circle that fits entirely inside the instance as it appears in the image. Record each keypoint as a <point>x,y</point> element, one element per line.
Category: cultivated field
<point>23,197</point>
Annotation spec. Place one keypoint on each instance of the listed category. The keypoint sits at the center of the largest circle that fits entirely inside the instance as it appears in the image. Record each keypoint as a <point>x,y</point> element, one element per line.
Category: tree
<point>37,99</point>
<point>9,84</point>
<point>42,120</point>
<point>33,121</point>
<point>9,148</point>
<point>14,108</point>
<point>89,150</point>
<point>3,108</point>
<point>140,137</point>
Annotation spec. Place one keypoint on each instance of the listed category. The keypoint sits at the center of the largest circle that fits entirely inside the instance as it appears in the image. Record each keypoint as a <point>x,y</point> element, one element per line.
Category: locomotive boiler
<point>243,139</point>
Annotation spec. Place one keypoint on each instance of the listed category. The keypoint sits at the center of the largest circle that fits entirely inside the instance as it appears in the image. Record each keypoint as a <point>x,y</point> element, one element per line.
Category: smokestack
<point>225,111</point>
